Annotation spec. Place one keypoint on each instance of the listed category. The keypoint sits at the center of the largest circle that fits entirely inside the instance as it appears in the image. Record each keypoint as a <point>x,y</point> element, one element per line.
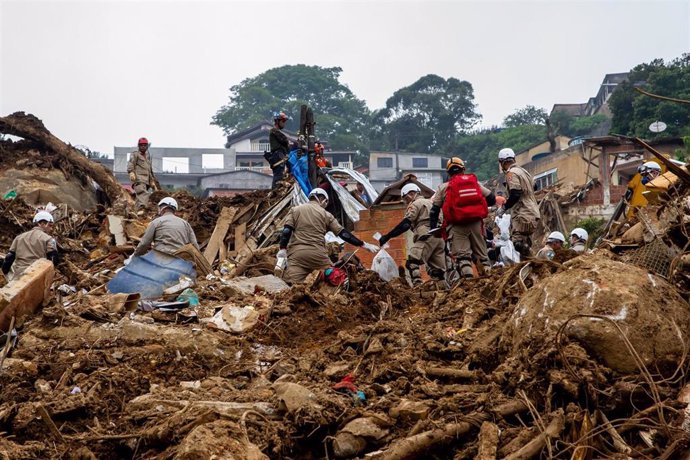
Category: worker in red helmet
<point>140,171</point>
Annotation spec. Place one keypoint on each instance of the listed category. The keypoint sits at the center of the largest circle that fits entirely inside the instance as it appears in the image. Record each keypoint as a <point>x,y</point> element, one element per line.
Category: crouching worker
<point>167,233</point>
<point>426,250</point>
<point>554,243</point>
<point>578,240</point>
<point>37,243</point>
<point>302,240</point>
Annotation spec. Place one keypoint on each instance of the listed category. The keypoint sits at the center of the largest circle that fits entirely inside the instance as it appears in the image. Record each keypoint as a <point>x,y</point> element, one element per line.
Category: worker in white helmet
<point>634,195</point>
<point>302,242</point>
<point>554,243</point>
<point>578,240</point>
<point>425,250</point>
<point>465,203</point>
<point>524,210</point>
<point>37,243</point>
<point>167,232</point>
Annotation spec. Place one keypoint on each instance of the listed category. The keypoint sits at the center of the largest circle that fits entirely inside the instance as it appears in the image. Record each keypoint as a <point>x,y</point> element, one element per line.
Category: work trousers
<point>143,193</point>
<point>521,231</point>
<point>468,240</point>
<point>429,251</point>
<point>302,260</point>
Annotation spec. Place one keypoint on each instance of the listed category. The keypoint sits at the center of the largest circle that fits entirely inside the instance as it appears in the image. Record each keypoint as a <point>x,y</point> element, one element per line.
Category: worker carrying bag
<point>464,202</point>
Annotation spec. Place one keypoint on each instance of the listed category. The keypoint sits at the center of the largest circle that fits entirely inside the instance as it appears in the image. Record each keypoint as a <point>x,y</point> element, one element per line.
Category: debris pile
<point>582,359</point>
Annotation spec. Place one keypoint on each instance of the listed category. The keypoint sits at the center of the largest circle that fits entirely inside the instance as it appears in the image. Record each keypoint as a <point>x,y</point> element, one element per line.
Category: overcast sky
<point>102,74</point>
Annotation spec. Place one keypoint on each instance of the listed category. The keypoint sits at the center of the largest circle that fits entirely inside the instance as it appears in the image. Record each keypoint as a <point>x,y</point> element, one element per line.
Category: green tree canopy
<point>480,149</point>
<point>341,118</point>
<point>425,116</point>
<point>633,112</point>
<point>528,115</point>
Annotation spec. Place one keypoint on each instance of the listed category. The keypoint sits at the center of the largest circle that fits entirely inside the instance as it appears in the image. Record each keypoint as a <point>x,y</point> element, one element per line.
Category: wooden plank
<point>190,253</point>
<point>117,230</point>
<point>222,225</point>
<point>24,295</point>
<point>240,236</point>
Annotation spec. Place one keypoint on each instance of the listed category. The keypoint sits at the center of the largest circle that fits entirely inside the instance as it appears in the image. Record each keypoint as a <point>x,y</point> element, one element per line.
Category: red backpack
<point>464,201</point>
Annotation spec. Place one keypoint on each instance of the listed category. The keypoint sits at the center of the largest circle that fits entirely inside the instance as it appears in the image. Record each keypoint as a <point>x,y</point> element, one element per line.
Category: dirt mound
<point>599,308</point>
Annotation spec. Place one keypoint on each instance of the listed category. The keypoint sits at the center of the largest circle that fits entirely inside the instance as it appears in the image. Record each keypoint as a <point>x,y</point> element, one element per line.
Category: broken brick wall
<point>382,218</point>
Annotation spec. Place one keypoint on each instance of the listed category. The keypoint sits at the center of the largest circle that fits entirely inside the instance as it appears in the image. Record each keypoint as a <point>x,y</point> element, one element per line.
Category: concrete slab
<point>24,295</point>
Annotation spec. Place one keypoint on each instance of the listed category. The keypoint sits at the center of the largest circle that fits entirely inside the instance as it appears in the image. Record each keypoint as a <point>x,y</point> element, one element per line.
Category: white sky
<point>102,74</point>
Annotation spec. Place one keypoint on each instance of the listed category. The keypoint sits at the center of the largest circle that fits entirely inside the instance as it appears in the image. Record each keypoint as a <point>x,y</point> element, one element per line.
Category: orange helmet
<point>455,162</point>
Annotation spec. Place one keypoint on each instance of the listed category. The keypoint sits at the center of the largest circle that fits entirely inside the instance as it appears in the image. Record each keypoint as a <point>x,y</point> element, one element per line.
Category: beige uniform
<point>29,247</point>
<point>579,247</point>
<point>307,249</point>
<point>466,239</point>
<point>524,215</point>
<point>145,182</point>
<point>426,249</point>
<point>167,233</point>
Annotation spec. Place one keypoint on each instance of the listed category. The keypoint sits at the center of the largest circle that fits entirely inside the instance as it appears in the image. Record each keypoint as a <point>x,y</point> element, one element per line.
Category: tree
<point>528,115</point>
<point>633,112</point>
<point>480,149</point>
<point>425,116</point>
<point>342,119</point>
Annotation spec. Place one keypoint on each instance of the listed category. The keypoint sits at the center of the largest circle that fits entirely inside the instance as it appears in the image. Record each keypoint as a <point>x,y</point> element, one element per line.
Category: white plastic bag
<point>384,265</point>
<point>508,253</point>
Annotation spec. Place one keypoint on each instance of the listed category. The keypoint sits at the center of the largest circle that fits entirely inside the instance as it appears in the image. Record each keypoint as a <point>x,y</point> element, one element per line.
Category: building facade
<point>386,168</point>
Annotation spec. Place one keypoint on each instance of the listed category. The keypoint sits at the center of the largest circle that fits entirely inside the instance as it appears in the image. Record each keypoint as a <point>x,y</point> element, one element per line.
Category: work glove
<point>383,240</point>
<point>281,261</point>
<point>371,247</point>
<point>128,260</point>
<point>132,177</point>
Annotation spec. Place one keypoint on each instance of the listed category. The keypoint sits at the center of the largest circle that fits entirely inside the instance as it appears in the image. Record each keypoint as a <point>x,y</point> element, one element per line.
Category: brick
<point>24,295</point>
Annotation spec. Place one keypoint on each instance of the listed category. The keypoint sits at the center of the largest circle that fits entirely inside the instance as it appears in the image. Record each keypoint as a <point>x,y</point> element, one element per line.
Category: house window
<point>420,162</point>
<point>545,179</point>
<point>384,162</point>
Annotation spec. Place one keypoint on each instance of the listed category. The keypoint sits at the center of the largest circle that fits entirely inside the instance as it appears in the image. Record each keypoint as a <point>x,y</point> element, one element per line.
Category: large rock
<point>248,286</point>
<point>648,310</point>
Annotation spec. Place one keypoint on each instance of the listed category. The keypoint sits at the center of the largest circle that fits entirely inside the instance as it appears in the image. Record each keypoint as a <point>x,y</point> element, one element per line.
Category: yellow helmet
<point>455,162</point>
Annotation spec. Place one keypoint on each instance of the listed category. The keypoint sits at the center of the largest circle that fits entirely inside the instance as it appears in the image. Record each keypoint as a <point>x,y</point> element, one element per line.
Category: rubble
<point>577,358</point>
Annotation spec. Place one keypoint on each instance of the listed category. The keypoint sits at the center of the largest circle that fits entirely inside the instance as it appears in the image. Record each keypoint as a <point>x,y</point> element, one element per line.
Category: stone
<point>247,286</point>
<point>410,410</point>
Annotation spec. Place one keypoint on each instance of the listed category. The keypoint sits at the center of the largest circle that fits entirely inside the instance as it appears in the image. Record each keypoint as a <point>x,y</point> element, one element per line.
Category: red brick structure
<point>382,218</point>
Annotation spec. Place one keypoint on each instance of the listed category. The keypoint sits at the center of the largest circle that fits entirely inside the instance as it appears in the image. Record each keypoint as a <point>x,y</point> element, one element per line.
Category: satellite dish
<point>657,127</point>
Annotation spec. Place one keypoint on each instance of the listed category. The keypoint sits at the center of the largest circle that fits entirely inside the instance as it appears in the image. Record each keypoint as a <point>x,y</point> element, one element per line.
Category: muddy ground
<point>582,358</point>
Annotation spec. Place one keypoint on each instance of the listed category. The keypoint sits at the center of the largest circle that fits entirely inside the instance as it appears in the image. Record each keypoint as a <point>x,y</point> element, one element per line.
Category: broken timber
<point>222,225</point>
<point>26,293</point>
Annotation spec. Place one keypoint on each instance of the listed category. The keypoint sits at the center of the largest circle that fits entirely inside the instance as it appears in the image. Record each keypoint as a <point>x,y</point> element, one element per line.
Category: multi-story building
<point>386,168</point>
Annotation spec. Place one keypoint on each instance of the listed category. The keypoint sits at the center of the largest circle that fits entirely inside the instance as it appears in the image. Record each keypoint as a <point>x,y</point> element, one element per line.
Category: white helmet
<point>556,236</point>
<point>318,192</point>
<point>169,202</point>
<point>506,154</point>
<point>43,215</point>
<point>580,234</point>
<point>410,188</point>
<point>649,166</point>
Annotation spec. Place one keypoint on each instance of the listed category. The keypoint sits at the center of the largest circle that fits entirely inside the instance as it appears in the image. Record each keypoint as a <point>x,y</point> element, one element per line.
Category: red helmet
<point>143,140</point>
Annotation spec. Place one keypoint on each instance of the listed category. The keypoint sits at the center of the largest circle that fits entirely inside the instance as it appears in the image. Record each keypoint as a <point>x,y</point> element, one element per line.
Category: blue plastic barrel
<point>151,274</point>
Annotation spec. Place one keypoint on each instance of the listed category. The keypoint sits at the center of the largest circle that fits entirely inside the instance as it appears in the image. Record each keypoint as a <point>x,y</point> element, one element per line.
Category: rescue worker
<point>647,172</point>
<point>578,240</point>
<point>141,173</point>
<point>167,233</point>
<point>302,239</point>
<point>554,243</point>
<point>425,250</point>
<point>524,210</point>
<point>280,148</point>
<point>37,243</point>
<point>319,159</point>
<point>465,204</point>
